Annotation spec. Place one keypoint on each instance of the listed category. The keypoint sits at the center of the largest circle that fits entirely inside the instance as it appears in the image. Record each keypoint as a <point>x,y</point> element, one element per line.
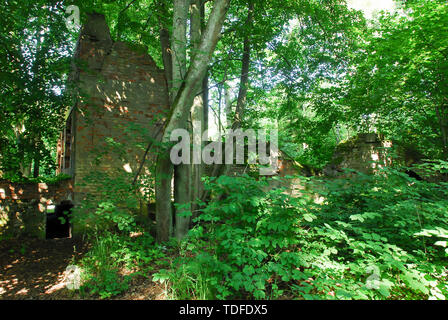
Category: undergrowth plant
<point>381,236</point>
<point>114,260</point>
<point>110,217</point>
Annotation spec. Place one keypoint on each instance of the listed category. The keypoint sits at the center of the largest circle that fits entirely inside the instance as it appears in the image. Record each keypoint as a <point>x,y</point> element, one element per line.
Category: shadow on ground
<point>34,269</point>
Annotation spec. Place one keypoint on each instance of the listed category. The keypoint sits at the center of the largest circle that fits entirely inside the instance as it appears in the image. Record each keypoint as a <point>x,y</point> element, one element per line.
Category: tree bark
<point>205,91</point>
<point>219,169</point>
<point>244,80</point>
<point>228,106</point>
<point>198,67</point>
<point>182,172</point>
<point>179,44</point>
<point>164,35</point>
<point>181,107</point>
<point>205,80</point>
<point>197,111</point>
<point>164,215</point>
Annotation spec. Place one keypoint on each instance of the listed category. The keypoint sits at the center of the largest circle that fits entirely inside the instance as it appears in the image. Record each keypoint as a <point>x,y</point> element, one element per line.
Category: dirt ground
<point>32,269</point>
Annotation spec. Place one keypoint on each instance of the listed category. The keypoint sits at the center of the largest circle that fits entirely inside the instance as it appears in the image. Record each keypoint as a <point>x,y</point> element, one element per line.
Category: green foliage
<point>364,237</point>
<point>245,245</point>
<point>375,221</point>
<point>320,74</point>
<point>35,47</point>
<point>399,78</point>
<point>111,218</point>
<point>114,260</point>
<point>43,179</point>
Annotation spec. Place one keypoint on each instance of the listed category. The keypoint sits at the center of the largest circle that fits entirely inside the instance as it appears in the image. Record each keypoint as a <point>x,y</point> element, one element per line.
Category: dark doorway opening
<point>414,175</point>
<point>58,222</point>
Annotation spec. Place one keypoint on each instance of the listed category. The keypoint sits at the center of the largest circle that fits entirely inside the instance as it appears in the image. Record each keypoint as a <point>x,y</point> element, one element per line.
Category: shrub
<point>373,237</point>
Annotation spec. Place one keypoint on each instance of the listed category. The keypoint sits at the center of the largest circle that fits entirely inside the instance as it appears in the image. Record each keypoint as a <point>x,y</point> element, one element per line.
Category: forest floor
<point>33,269</point>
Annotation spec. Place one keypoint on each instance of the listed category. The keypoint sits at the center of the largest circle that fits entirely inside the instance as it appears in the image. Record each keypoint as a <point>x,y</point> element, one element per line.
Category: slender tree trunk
<point>443,125</point>
<point>36,160</point>
<point>244,80</point>
<point>228,106</point>
<point>219,169</point>
<point>205,100</point>
<point>181,107</point>
<point>179,44</point>
<point>164,216</point>
<point>197,111</point>
<point>36,166</point>
<point>205,80</point>
<point>174,60</point>
<point>165,45</point>
<point>164,168</point>
<point>220,88</point>
<point>182,172</point>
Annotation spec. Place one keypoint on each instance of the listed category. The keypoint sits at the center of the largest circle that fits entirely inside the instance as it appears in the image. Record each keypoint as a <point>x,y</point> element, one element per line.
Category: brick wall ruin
<point>121,103</point>
<point>364,153</point>
<point>122,95</point>
<point>23,206</point>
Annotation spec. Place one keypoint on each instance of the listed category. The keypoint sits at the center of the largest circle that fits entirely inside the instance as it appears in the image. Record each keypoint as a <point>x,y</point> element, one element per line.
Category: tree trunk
<point>244,80</point>
<point>182,172</point>
<point>182,105</point>
<point>179,44</point>
<point>205,100</point>
<point>183,102</point>
<point>197,111</point>
<point>228,106</point>
<point>165,45</point>
<point>36,166</point>
<point>164,215</point>
<point>164,169</point>
<point>36,160</point>
<point>219,169</point>
<point>443,125</point>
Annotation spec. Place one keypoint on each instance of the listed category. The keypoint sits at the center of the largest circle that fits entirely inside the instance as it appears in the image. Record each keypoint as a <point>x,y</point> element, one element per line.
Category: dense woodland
<point>318,71</point>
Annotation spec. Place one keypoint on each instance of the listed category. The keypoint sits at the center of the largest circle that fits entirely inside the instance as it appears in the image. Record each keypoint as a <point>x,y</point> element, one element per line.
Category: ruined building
<point>121,96</point>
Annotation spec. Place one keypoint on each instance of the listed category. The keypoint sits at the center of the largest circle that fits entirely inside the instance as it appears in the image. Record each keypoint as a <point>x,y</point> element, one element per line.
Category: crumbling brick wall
<point>365,153</point>
<point>23,205</point>
<point>121,94</point>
